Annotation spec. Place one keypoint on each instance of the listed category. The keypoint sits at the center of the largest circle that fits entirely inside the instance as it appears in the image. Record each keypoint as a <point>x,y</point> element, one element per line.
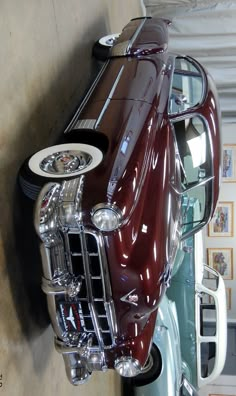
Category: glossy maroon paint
<point>140,174</point>
<point>129,79</point>
<point>152,39</point>
<point>137,344</point>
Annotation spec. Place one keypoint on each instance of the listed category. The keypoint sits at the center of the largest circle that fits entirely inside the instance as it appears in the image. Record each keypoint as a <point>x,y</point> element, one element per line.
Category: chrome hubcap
<point>109,41</point>
<point>65,162</point>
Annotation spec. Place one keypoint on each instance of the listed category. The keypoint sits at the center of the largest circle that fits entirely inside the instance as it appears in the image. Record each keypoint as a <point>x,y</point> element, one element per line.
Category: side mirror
<point>187,249</point>
<point>180,99</point>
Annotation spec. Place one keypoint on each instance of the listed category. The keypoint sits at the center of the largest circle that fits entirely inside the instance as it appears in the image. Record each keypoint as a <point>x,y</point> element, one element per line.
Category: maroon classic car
<point>141,151</point>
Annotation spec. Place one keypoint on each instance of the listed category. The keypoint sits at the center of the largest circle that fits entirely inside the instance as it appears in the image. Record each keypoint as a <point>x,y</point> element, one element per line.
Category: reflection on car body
<point>110,216</point>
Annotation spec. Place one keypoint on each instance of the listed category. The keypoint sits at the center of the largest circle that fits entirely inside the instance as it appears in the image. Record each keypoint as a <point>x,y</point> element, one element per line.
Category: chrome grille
<point>87,262</point>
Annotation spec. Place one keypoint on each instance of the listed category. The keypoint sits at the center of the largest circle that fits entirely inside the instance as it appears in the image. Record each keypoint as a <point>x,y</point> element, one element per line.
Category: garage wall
<point>228,194</point>
<point>225,384</point>
<point>44,45</point>
<point>195,31</point>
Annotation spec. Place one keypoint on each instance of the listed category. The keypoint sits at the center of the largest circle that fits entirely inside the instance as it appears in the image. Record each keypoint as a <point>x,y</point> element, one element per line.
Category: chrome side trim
<point>109,98</point>
<point>120,49</point>
<point>135,35</point>
<point>85,124</point>
<point>75,118</point>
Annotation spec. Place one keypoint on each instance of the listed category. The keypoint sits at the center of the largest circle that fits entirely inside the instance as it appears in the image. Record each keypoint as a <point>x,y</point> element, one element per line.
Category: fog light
<point>106,217</point>
<point>127,366</point>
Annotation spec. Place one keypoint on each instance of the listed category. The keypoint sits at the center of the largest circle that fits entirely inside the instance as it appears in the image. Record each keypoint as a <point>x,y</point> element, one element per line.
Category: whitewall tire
<point>102,47</point>
<point>65,160</point>
<point>109,40</point>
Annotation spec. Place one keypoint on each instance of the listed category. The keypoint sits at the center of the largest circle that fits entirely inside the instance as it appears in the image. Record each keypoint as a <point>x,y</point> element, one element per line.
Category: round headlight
<point>127,366</point>
<point>105,217</point>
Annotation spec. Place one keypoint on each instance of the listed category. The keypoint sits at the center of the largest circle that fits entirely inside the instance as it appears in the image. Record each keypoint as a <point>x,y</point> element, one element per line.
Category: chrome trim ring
<point>111,207</point>
<point>127,366</point>
<point>148,365</point>
<point>64,162</point>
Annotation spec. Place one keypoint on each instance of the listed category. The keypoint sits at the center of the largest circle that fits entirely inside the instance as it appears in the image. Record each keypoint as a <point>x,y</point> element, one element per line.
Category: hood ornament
<point>130,298</point>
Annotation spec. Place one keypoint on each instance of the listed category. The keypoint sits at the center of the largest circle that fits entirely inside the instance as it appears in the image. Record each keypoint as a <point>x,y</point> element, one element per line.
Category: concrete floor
<point>45,67</point>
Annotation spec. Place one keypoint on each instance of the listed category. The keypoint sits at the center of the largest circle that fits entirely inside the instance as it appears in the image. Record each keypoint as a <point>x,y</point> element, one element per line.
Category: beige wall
<point>228,194</point>
<point>226,385</point>
<point>45,66</point>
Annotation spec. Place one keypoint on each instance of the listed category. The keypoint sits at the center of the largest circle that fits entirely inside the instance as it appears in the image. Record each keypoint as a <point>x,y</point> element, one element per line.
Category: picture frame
<point>221,259</point>
<point>222,222</point>
<point>229,163</point>
<point>229,298</point>
<point>219,394</point>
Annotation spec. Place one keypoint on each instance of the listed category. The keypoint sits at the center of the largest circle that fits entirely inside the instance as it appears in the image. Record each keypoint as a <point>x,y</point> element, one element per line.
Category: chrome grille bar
<point>89,288</point>
<point>100,278</point>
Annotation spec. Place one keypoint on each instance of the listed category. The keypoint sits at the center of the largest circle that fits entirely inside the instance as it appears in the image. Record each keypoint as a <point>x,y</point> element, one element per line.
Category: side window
<point>194,149</point>
<point>196,169</point>
<point>187,86</point>
<point>193,208</point>
<point>208,328</point>
<point>210,278</point>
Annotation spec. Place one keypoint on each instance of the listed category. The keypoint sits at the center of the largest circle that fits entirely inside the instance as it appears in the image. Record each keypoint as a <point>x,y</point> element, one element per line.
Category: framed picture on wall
<point>229,163</point>
<point>222,222</point>
<point>221,259</point>
<point>228,297</point>
<point>219,394</point>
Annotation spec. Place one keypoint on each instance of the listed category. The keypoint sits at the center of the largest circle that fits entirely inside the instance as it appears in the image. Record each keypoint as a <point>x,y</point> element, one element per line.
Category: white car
<point>199,294</point>
<point>171,376</point>
<point>191,327</point>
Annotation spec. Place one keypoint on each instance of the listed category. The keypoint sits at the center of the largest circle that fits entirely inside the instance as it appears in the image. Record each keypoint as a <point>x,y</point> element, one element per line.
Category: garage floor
<point>38,92</point>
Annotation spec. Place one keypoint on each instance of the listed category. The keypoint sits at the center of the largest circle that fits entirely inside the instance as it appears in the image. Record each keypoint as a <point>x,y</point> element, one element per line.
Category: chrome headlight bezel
<point>110,210</point>
<point>127,366</point>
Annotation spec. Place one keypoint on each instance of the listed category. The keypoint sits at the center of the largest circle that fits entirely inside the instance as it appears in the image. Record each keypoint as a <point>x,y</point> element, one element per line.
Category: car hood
<point>138,175</point>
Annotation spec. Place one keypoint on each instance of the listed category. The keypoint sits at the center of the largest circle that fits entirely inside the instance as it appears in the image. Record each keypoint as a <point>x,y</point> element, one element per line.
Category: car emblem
<point>71,318</point>
<point>130,298</point>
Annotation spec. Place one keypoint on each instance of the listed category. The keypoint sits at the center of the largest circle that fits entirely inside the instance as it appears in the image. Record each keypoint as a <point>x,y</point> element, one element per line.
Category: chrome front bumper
<point>75,280</point>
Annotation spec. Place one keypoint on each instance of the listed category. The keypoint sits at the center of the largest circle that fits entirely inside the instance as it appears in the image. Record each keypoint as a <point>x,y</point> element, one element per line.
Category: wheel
<point>109,40</point>
<point>151,370</point>
<point>65,160</point>
<point>101,48</point>
<point>30,188</point>
<point>58,162</point>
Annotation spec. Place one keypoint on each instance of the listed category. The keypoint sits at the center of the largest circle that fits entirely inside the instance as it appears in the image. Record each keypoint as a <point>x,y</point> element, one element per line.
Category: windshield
<point>196,170</point>
<point>194,149</point>
<point>187,86</point>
